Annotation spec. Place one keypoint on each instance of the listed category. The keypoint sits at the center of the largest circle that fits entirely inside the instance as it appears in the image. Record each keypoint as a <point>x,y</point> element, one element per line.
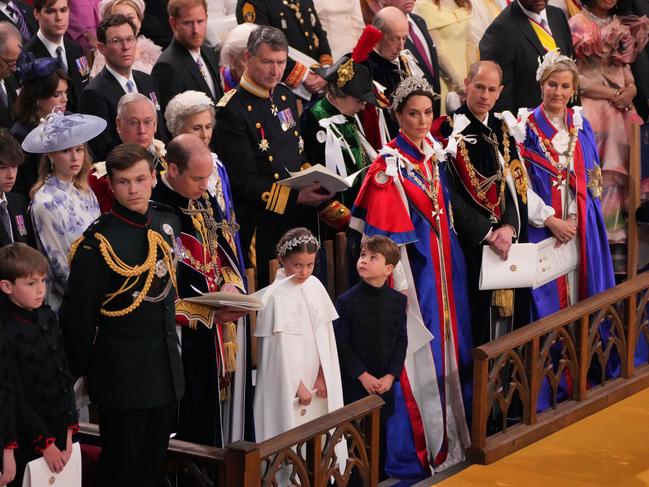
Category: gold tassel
<point>230,347</point>
<point>504,300</point>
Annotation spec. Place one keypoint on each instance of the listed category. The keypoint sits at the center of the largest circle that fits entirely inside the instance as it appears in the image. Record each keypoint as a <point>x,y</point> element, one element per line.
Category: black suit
<point>21,223</point>
<point>512,43</point>
<point>100,98</point>
<point>155,24</point>
<point>176,72</point>
<point>6,119</point>
<point>432,78</point>
<point>28,15</point>
<point>78,77</point>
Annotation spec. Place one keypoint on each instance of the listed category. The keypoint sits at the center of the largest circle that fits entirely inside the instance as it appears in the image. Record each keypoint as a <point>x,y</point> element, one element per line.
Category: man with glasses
<point>117,42</point>
<point>136,124</point>
<point>10,45</point>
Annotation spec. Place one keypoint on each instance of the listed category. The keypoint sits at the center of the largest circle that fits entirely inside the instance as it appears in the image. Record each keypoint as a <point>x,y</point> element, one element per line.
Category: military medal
<point>284,25</point>
<point>312,20</point>
<point>286,119</point>
<point>161,269</point>
<point>20,223</point>
<point>82,66</point>
<point>154,99</point>
<point>300,144</point>
<point>273,109</point>
<point>263,144</point>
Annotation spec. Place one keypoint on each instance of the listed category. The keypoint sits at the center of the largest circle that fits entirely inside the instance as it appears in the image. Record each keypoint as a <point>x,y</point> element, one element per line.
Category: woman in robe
<point>565,187</point>
<point>405,197</point>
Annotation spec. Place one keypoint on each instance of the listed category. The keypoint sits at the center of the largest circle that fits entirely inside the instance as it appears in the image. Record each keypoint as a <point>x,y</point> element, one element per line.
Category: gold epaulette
<point>226,98</point>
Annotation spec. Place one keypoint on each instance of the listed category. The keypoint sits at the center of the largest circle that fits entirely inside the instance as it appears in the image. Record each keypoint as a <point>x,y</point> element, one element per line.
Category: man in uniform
<point>216,398</point>
<point>489,198</point>
<point>259,141</point>
<point>299,22</point>
<point>118,321</point>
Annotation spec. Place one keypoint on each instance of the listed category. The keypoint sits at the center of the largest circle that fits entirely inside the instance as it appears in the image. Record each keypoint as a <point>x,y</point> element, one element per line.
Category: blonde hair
<point>106,7</point>
<point>46,168</point>
<point>559,67</point>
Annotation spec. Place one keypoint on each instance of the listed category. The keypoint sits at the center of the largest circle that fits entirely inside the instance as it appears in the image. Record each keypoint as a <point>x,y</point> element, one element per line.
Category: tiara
<point>296,242</point>
<point>407,86</point>
<point>550,58</point>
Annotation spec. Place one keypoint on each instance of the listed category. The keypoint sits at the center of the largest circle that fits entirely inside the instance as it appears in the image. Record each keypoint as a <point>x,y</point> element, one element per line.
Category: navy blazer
<point>101,96</point>
<point>371,337</point>
<point>21,223</point>
<point>78,71</point>
<point>432,78</point>
<point>512,43</point>
<point>6,118</point>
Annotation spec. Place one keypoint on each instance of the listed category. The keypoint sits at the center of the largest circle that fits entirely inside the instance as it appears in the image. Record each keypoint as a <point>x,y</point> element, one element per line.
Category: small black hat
<point>352,78</point>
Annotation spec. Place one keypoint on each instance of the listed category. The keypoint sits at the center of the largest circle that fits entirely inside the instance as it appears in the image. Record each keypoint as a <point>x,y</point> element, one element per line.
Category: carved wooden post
<point>583,354</point>
<point>242,465</point>
<point>480,406</point>
<point>342,269</point>
<point>314,461</point>
<point>631,315</point>
<point>536,377</point>
<point>372,430</point>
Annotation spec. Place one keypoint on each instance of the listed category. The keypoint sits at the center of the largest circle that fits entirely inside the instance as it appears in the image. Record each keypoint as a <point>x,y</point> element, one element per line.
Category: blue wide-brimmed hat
<point>59,132</point>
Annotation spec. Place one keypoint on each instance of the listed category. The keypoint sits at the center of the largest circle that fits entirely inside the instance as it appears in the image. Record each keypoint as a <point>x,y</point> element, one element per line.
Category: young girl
<point>297,347</point>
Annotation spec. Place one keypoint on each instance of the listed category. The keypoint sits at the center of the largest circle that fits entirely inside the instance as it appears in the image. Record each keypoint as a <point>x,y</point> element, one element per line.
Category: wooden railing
<point>565,358</point>
<point>306,453</point>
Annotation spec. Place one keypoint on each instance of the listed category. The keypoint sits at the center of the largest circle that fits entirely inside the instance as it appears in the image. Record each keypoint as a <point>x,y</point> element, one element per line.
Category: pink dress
<point>604,50</point>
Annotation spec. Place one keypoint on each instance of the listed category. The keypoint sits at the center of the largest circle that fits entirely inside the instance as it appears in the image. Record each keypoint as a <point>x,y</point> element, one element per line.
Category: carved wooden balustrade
<point>551,373</point>
<point>305,454</point>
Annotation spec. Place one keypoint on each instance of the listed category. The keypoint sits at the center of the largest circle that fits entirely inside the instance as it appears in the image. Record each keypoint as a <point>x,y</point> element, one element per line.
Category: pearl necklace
<point>598,20</point>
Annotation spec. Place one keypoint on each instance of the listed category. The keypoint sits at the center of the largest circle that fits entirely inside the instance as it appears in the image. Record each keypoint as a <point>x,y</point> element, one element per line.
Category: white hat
<point>59,132</point>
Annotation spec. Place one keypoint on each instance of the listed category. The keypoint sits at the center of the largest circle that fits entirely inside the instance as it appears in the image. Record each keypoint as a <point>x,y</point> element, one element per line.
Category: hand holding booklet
<point>317,173</point>
<point>237,301</point>
<point>528,265</point>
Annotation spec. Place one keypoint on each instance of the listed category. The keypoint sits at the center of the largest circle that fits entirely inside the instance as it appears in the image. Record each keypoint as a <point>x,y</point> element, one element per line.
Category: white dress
<point>296,337</point>
<point>60,214</point>
<point>342,20</point>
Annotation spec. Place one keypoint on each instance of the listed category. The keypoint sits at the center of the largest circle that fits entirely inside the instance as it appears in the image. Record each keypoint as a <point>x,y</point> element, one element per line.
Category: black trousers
<point>134,445</point>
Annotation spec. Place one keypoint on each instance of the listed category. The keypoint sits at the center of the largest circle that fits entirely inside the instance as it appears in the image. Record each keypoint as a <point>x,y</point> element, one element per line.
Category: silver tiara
<point>296,242</point>
<point>551,57</point>
<point>407,86</point>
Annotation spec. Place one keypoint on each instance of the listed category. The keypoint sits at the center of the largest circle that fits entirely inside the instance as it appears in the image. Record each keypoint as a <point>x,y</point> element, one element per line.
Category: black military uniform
<point>474,217</point>
<point>300,23</point>
<point>124,338</point>
<point>43,386</point>
<point>259,142</point>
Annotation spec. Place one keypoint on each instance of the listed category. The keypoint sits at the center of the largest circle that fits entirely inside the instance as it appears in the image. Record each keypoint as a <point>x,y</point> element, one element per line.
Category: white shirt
<point>540,18</point>
<point>123,80</point>
<point>51,47</point>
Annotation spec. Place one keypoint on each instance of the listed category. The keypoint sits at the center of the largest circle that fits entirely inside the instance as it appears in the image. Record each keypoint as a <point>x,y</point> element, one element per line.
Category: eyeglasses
<point>134,123</point>
<point>127,41</point>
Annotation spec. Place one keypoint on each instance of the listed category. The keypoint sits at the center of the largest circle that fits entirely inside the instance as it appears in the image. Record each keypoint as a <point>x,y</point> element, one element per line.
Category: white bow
<point>460,122</point>
<point>577,119</point>
<point>517,126</point>
<point>333,149</point>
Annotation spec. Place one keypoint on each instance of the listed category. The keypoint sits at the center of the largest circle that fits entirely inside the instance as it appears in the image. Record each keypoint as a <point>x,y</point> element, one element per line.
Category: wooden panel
<point>273,267</point>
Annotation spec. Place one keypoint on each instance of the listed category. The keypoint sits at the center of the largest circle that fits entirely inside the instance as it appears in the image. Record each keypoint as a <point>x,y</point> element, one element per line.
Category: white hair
<point>132,98</point>
<point>235,43</point>
<point>183,105</point>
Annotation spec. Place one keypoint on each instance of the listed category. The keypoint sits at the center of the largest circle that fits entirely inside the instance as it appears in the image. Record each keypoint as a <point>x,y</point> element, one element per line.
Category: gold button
<point>250,108</point>
<point>270,158</point>
<point>276,175</point>
<point>283,97</point>
<point>296,133</point>
<point>306,34</point>
<point>258,125</point>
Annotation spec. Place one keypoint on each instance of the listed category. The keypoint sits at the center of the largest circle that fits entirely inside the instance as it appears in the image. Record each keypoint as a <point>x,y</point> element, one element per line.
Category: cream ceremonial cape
<point>296,336</point>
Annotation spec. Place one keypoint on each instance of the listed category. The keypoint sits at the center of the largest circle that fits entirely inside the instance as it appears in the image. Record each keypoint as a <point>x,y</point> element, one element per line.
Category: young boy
<point>371,331</point>
<point>46,415</point>
<point>15,223</point>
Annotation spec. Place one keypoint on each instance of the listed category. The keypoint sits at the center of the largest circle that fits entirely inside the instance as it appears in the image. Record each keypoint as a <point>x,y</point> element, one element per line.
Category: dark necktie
<point>420,48</point>
<point>4,219</point>
<point>20,21</point>
<point>59,56</point>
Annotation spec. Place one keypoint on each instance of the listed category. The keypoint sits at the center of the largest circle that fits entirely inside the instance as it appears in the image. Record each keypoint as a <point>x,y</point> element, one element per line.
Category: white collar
<point>3,197</point>
<point>49,45</point>
<point>543,15</point>
<point>121,79</point>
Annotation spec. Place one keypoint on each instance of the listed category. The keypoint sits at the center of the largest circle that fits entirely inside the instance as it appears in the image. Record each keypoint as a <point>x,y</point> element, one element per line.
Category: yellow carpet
<point>609,448</point>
